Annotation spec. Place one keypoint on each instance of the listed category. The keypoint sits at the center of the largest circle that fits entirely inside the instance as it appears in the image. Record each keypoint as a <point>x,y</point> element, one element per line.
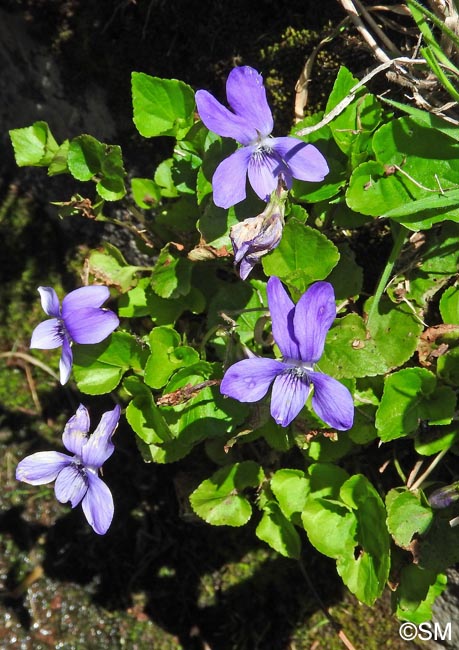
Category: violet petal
<point>249,380</point>
<point>99,446</point>
<point>71,485</point>
<point>314,315</point>
<point>282,310</point>
<point>229,179</point>
<point>92,296</point>
<point>220,120</point>
<point>90,325</point>
<point>49,301</point>
<point>246,267</point>
<point>305,161</point>
<point>47,335</point>
<point>264,170</point>
<point>98,505</point>
<point>76,431</point>
<point>42,467</point>
<point>65,362</point>
<point>246,95</point>
<point>288,397</point>
<point>332,401</point>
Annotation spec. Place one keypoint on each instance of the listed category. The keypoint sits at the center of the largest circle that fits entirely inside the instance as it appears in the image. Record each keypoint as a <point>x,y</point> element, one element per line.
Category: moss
<point>284,59</point>
<point>369,627</point>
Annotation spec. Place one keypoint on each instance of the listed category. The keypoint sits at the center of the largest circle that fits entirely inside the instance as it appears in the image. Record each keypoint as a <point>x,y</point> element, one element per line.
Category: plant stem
<point>399,240</point>
<point>30,359</point>
<point>429,470</point>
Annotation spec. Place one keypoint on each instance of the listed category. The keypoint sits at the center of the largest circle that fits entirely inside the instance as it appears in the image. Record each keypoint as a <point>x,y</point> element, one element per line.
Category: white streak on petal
<point>71,485</point>
<point>288,397</point>
<point>99,446</point>
<point>49,301</point>
<point>65,362</point>
<point>76,430</point>
<point>42,467</point>
<point>47,335</point>
<point>98,505</point>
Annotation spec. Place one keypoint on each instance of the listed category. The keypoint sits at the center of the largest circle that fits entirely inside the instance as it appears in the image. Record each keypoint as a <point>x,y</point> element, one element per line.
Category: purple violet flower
<point>263,157</point>
<point>80,320</point>
<point>76,476</point>
<point>299,331</point>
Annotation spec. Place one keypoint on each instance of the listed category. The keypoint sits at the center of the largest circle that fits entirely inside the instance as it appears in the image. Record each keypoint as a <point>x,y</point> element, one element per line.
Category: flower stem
<point>399,240</point>
<point>429,470</point>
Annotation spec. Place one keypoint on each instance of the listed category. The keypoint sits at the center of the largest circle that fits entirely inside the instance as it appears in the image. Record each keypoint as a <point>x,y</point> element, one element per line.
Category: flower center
<point>263,144</point>
<point>297,368</point>
<point>79,466</point>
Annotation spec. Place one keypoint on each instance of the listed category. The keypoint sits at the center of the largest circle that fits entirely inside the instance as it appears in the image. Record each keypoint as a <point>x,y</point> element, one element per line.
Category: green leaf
<point>439,262</point>
<point>406,516</point>
<point>185,167</point>
<point>111,184</point>
<point>395,330</point>
<point>347,276</point>
<point>371,191</point>
<point>88,159</point>
<point>33,145</point>
<point>326,450</point>
<point>167,356</point>
<point>133,303</point>
<point>163,178</point>
<point>406,152</point>
<point>326,480</point>
<point>449,305</point>
<point>207,414</point>
<point>243,302</point>
<point>303,256</point>
<point>58,164</point>
<point>291,489</point>
<point>411,395</point>
<point>161,106</point>
<point>360,117</point>
<point>439,548</point>
<point>219,500</point>
<point>433,439</point>
<point>166,311</point>
<point>425,118</point>
<point>417,591</point>
<point>146,192</point>
<point>171,276</point>
<point>448,367</point>
<point>330,527</point>
<point>277,531</point>
<point>352,351</point>
<point>111,268</point>
<point>143,415</point>
<point>433,204</point>
<point>322,138</point>
<point>366,575</point>
<point>99,368</point>
<point>85,157</point>
<point>178,216</point>
<point>215,223</point>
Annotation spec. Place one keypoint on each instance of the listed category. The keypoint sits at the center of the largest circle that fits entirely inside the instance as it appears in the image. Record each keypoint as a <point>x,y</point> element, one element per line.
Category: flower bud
<point>256,236</point>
